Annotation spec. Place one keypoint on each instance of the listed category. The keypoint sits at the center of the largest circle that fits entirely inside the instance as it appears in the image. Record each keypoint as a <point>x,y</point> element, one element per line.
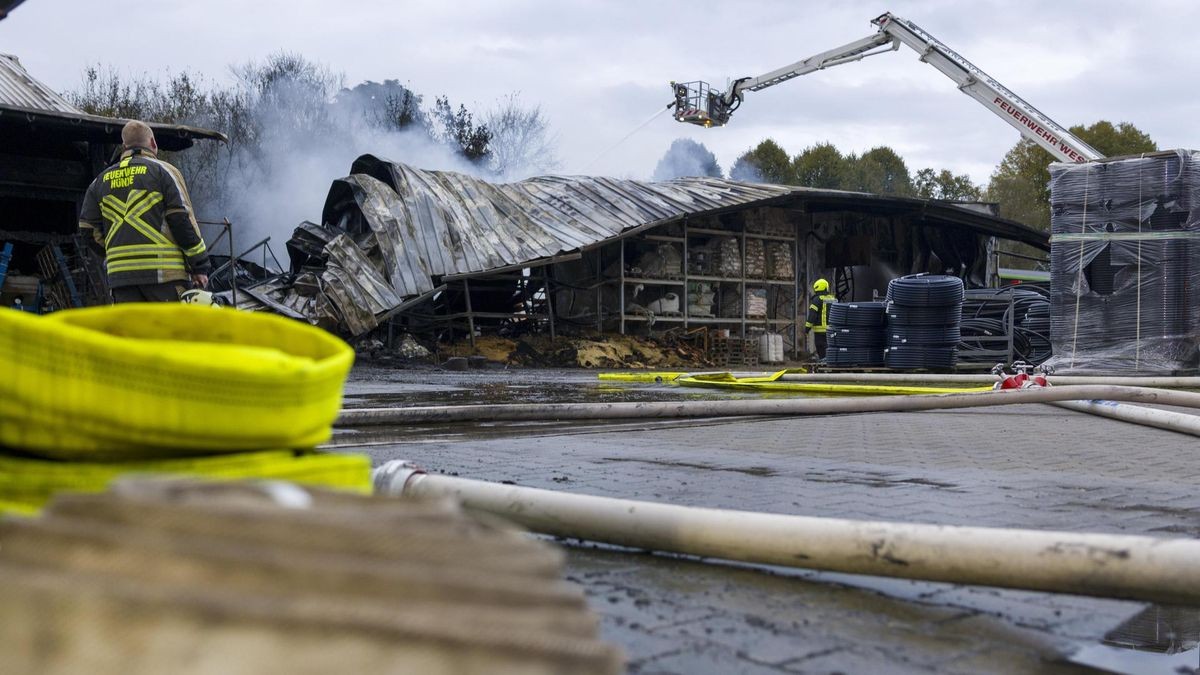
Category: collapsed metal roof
<point>432,223</point>
<point>414,229</point>
<point>27,102</point>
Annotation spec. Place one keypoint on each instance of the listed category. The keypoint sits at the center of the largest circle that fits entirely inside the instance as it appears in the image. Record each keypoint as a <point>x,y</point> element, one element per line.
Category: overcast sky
<point>601,68</point>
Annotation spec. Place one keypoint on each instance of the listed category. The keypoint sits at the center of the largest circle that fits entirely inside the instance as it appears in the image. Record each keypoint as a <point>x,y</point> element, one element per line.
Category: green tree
<point>765,163</point>
<point>930,184</point>
<point>1021,183</point>
<point>459,131</point>
<point>881,171</point>
<point>821,166</point>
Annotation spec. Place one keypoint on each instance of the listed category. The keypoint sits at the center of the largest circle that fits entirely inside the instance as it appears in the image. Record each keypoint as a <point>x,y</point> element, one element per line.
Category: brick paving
<point>1020,466</point>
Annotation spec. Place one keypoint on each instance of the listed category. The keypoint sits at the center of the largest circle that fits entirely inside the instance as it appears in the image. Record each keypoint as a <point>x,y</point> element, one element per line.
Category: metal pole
<point>549,293</point>
<point>599,289</point>
<point>621,288</point>
<point>470,312</point>
<point>232,277</point>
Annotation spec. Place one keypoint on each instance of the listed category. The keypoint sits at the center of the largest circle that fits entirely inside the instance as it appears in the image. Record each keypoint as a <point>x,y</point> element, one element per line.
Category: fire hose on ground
<point>983,378</point>
<point>1104,565</point>
<point>758,407</point>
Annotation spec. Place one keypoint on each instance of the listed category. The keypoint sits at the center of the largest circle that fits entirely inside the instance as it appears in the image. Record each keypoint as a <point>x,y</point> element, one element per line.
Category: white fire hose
<point>359,417</point>
<point>1104,565</point>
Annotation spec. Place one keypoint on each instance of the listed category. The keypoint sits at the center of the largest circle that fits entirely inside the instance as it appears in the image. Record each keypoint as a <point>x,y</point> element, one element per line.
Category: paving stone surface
<point>1029,466</point>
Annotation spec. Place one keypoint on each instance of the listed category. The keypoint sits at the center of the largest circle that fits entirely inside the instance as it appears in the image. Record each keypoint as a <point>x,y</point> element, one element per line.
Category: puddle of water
<point>1156,640</point>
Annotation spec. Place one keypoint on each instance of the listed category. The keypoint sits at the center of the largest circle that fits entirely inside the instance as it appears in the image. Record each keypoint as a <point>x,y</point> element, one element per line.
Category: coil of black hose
<point>924,335</point>
<point>923,316</point>
<point>986,313</point>
<point>926,291</point>
<point>907,357</point>
<point>854,356</point>
<point>869,336</point>
<point>848,314</point>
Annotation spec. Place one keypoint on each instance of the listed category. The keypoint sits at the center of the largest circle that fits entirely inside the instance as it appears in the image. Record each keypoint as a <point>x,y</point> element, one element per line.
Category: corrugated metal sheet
<point>431,223</point>
<point>19,89</point>
<point>24,99</point>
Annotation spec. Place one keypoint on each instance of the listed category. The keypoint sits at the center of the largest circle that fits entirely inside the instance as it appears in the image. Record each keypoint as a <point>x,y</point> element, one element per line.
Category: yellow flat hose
<point>640,377</point>
<point>26,484</point>
<point>144,381</point>
<point>774,384</point>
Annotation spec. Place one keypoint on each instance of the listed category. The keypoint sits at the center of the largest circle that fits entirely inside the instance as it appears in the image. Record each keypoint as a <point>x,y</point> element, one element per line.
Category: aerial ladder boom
<point>696,103</point>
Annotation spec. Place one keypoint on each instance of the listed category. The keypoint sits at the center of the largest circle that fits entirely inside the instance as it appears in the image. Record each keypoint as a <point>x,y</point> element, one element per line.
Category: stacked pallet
<point>756,303</point>
<point>779,261</point>
<point>735,352</point>
<point>186,577</point>
<point>756,259</point>
<point>729,257</point>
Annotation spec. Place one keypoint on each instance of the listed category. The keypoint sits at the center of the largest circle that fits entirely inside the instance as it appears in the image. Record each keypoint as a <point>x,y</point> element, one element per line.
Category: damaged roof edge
<point>85,127</point>
<point>26,101</point>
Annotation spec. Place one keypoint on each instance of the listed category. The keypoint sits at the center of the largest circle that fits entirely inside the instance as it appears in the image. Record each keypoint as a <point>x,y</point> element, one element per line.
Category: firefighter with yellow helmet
<point>817,320</point>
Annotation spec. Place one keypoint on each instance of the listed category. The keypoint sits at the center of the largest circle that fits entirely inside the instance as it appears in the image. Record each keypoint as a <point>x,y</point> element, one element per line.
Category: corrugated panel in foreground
<point>434,223</point>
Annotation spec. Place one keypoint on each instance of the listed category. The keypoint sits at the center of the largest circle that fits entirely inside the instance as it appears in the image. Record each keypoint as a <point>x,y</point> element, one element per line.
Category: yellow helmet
<point>820,286</point>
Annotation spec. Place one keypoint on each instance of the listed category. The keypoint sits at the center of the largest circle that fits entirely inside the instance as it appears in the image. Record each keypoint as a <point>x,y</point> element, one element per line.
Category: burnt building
<point>443,253</point>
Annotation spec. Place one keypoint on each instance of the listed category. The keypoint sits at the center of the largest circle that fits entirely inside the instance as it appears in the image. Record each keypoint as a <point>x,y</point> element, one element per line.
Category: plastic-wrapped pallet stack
<point>923,317</point>
<point>1124,263</point>
<point>756,302</point>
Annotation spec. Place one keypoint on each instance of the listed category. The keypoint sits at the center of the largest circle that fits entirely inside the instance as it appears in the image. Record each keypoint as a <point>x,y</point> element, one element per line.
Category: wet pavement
<point>1018,466</point>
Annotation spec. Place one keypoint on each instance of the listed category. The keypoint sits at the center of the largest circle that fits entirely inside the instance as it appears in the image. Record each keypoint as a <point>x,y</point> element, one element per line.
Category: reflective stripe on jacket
<point>139,210</point>
<point>818,319</point>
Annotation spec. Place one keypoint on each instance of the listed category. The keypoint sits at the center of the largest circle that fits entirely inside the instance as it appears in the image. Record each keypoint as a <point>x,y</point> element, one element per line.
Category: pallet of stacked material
<point>177,576</point>
<point>734,352</point>
<point>756,259</point>
<point>729,257</point>
<point>664,262</point>
<point>779,261</point>
<point>1124,265</point>
<point>756,302</point>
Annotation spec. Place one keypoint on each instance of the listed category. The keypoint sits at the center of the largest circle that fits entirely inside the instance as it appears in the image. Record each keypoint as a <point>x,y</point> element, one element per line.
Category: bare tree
<point>521,143</point>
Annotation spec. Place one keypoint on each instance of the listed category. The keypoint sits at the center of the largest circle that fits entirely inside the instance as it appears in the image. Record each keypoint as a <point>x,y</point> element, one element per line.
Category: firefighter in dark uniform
<point>139,211</point>
<point>817,320</point>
